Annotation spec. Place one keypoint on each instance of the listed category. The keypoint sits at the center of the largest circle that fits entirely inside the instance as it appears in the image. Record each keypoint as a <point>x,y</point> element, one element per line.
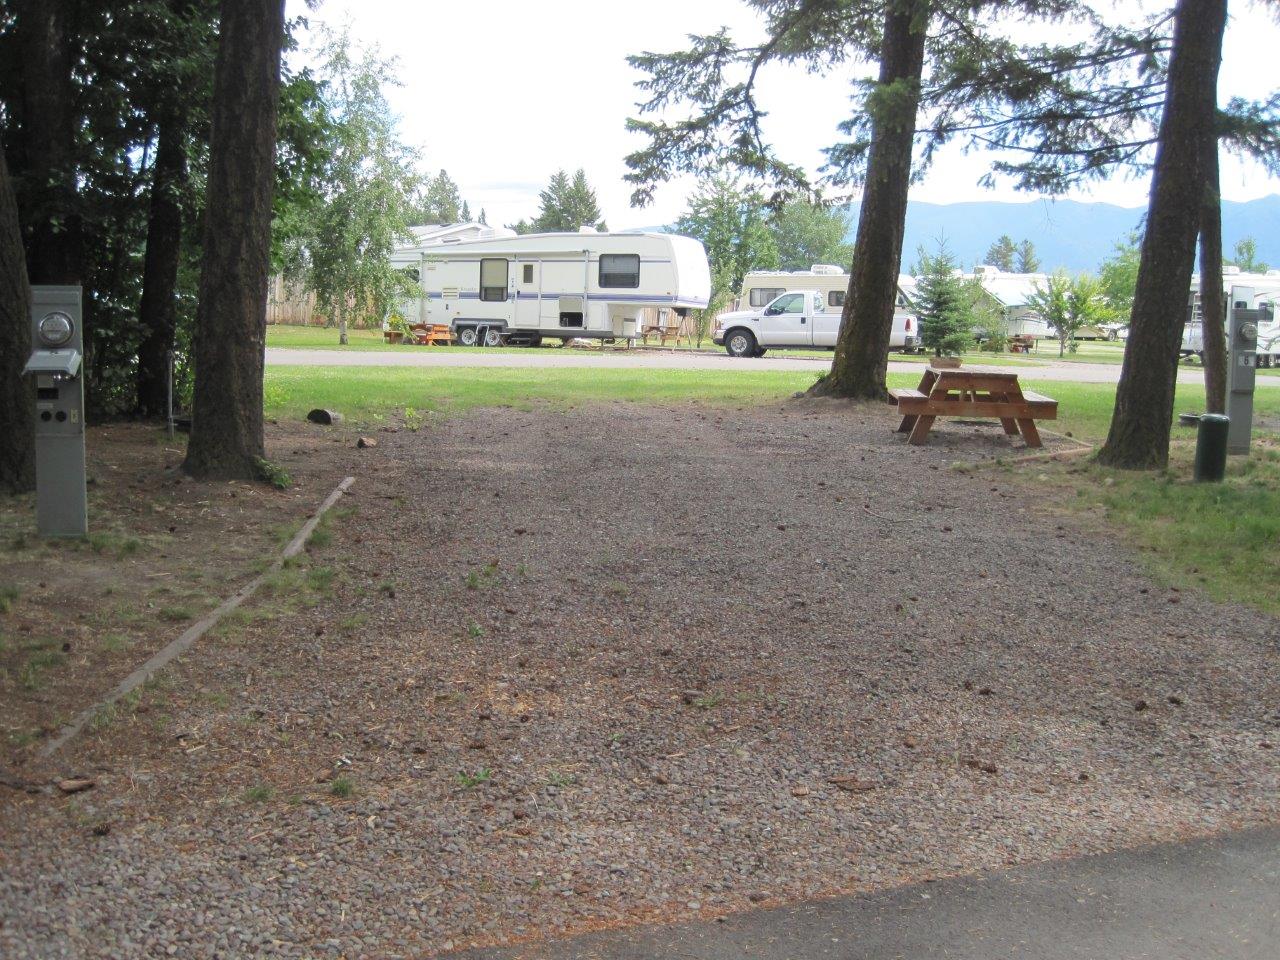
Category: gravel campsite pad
<point>559,670</point>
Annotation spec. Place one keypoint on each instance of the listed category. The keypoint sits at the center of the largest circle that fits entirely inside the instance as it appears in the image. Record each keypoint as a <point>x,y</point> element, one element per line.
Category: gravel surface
<point>590,668</point>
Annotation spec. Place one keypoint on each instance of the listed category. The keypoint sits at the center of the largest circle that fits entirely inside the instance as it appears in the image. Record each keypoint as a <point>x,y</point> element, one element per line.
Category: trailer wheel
<point>493,338</point>
<point>468,336</point>
<point>740,343</point>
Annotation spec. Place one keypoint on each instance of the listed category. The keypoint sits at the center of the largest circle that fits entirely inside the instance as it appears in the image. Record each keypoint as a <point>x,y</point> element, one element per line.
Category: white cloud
<point>503,93</point>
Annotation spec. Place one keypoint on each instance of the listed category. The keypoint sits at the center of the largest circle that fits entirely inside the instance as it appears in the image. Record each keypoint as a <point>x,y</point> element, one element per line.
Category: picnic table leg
<point>1010,427</point>
<point>908,421</point>
<point>920,431</point>
<point>1029,432</point>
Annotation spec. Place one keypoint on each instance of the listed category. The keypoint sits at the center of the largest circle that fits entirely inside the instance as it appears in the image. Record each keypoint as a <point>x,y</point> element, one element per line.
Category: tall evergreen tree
<point>1001,253</point>
<point>17,393</point>
<point>1139,434</point>
<point>441,201</point>
<point>566,205</point>
<point>718,77</point>
<point>1025,260</point>
<point>226,433</point>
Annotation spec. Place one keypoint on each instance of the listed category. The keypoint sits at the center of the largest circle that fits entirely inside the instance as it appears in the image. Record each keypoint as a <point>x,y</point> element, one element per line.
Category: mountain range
<point>1069,234</point>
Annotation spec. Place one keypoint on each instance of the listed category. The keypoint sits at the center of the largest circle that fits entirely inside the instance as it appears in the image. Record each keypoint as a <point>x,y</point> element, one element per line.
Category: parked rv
<point>521,289</point>
<point>796,318</point>
<point>1266,292</point>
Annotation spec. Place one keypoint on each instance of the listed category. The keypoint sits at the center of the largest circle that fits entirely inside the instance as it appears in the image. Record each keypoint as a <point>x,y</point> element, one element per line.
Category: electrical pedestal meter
<point>57,349</point>
<point>1243,319</point>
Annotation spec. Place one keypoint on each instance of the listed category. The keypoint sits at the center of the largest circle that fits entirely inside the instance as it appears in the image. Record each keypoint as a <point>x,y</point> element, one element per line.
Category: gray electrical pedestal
<point>1243,319</point>
<point>57,349</point>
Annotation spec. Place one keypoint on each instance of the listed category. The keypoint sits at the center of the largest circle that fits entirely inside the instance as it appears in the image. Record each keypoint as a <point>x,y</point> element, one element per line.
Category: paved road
<point>1216,898</point>
<point>663,360</point>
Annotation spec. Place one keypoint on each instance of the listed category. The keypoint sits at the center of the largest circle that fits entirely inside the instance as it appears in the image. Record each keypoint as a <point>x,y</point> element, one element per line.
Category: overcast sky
<point>504,92</point>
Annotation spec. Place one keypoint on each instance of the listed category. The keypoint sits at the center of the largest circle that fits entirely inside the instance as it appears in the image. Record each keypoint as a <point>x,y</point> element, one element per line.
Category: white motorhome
<point>521,289</point>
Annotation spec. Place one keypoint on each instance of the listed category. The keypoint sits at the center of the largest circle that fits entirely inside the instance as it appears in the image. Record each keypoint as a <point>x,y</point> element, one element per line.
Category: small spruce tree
<point>944,304</point>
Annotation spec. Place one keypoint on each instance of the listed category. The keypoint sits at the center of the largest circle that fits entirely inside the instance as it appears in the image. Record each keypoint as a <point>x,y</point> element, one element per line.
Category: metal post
<point>1242,362</point>
<point>55,363</point>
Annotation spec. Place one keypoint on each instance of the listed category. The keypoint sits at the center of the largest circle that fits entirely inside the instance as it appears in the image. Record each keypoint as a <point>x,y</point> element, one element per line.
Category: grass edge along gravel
<point>1184,529</point>
<point>374,396</point>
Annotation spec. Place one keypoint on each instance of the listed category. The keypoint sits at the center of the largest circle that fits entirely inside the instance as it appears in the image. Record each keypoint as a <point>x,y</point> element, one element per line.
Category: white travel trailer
<point>522,289</point>
<point>1265,289</point>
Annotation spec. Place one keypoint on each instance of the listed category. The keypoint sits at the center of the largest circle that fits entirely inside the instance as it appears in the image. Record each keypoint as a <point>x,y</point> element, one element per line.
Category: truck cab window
<point>789,304</point>
<point>835,298</point>
<point>493,280</point>
<point>619,270</point>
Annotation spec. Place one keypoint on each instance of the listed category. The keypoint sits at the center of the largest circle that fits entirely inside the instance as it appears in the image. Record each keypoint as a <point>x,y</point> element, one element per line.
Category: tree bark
<point>1212,300</point>
<point>230,337</point>
<point>862,347</point>
<point>1139,434</point>
<point>46,158</point>
<point>17,393</point>
<point>157,310</point>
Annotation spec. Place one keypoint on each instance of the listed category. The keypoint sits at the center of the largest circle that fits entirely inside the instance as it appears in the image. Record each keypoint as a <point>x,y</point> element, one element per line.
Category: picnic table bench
<point>972,393</point>
<point>432,333</point>
<point>663,332</point>
<point>1022,343</point>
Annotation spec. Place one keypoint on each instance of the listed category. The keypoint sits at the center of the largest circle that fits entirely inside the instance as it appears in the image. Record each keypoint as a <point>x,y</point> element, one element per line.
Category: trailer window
<point>528,273</point>
<point>493,280</point>
<point>835,298</point>
<point>619,270</point>
<point>762,295</point>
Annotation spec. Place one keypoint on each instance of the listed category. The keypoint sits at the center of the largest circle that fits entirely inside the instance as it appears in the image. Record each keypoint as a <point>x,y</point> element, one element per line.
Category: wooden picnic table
<point>972,393</point>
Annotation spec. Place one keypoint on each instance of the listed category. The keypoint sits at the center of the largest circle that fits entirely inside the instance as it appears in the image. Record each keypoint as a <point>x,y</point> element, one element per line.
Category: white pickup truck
<point>797,318</point>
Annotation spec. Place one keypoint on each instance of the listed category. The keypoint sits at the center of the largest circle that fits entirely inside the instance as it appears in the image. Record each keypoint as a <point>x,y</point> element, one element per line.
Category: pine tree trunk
<point>46,155</point>
<point>1212,307</point>
<point>862,348</point>
<point>1139,434</point>
<point>157,311</point>
<point>230,337</point>
<point>17,393</point>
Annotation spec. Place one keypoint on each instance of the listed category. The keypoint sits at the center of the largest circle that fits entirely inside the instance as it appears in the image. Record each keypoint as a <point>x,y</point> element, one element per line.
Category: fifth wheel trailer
<point>526,288</point>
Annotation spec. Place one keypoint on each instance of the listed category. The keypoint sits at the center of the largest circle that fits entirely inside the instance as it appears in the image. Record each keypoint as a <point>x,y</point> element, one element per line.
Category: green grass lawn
<point>1215,537</point>
<point>373,395</point>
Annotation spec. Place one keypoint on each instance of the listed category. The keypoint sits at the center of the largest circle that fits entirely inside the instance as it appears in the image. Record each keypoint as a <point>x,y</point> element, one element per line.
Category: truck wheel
<point>468,336</point>
<point>493,338</point>
<point>740,343</point>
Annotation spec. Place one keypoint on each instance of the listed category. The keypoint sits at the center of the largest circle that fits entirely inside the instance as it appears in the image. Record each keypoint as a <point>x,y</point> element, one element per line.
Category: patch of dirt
<point>162,551</point>
<point>565,670</point>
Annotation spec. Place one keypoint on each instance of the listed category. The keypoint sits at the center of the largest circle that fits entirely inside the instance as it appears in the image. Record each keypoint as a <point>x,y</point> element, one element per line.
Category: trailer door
<point>528,286</point>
